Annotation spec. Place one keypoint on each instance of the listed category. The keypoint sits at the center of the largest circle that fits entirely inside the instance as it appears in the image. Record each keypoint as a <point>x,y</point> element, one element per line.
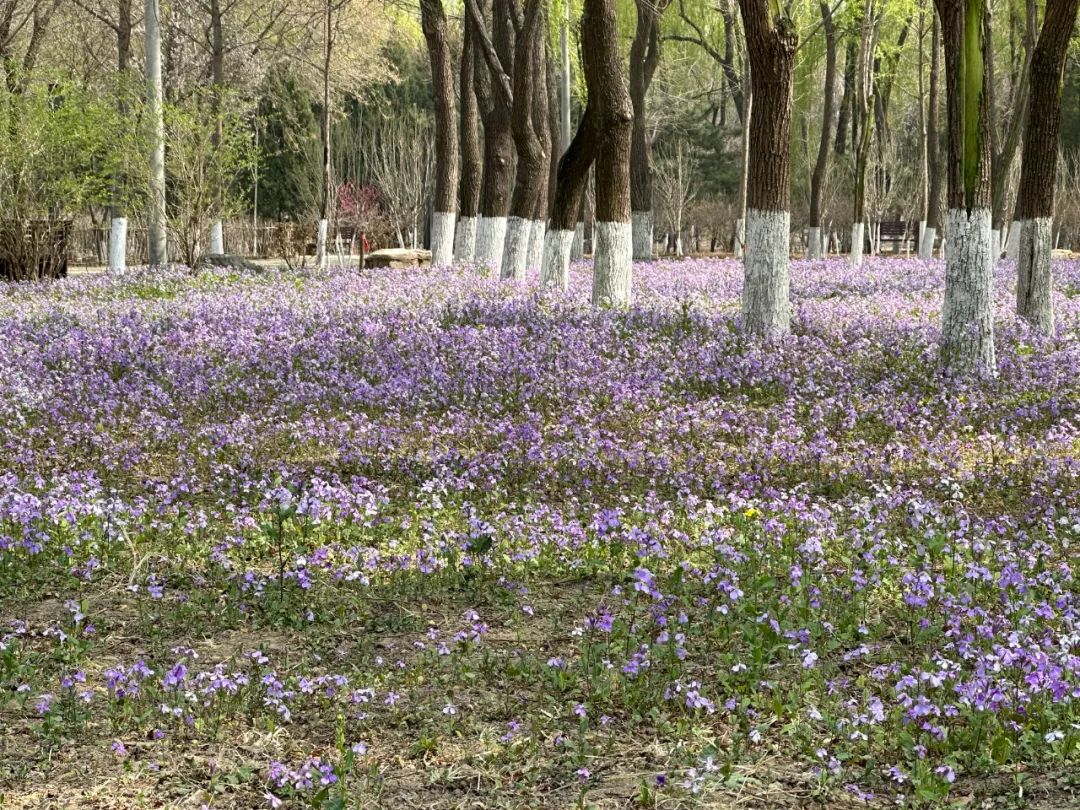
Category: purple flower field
<point>351,540</point>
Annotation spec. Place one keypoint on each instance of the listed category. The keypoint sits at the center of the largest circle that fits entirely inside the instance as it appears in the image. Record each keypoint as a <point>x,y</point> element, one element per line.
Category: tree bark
<point>821,165</point>
<point>603,136</point>
<point>771,43</point>
<point>1004,153</point>
<point>863,103</point>
<point>529,92</point>
<point>644,57</point>
<point>433,22</point>
<point>967,317</point>
<point>158,244</point>
<point>472,164</point>
<point>494,66</point>
<point>321,252</point>
<point>613,252</point>
<point>1038,173</point>
<point>850,61</point>
<point>933,149</point>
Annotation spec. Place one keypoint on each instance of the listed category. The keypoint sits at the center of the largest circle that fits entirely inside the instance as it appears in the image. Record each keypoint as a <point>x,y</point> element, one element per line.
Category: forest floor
<point>363,539</point>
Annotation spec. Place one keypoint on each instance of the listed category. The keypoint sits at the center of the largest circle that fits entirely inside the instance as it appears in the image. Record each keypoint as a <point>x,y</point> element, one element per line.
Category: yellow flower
<point>752,512</point>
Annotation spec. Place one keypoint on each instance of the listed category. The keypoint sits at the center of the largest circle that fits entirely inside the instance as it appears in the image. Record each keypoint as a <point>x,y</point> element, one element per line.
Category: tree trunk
<point>321,252</point>
<point>1003,154</point>
<point>771,44</point>
<point>967,316</point>
<point>495,111</point>
<point>529,92</point>
<point>744,166</point>
<point>433,21</point>
<point>118,235</point>
<point>158,240</point>
<point>613,250</point>
<point>933,151</point>
<point>1035,199</point>
<point>846,101</point>
<point>923,166</point>
<point>862,122</point>
<point>821,166</point>
<point>644,57</point>
<point>603,135</point>
<point>547,120</point>
<point>472,165</point>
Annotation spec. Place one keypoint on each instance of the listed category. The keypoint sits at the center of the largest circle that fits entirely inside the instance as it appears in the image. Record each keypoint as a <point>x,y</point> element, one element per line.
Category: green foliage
<point>62,146</point>
<point>206,157</point>
<point>288,155</point>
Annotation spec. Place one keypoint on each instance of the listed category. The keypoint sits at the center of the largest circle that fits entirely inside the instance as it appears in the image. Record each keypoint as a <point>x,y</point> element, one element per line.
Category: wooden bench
<point>896,232</point>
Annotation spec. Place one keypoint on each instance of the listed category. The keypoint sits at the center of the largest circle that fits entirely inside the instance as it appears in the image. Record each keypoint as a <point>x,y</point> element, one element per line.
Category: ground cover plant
<point>339,539</point>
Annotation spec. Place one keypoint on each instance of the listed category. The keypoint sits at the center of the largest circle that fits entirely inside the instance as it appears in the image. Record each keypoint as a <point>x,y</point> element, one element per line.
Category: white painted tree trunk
<point>766,296</point>
<point>118,245</point>
<point>490,240</point>
<point>158,239</point>
<point>613,261</point>
<point>857,234</point>
<point>577,249</point>
<point>442,238</point>
<point>642,222</point>
<point>995,244</point>
<point>217,239</point>
<point>320,245</point>
<point>813,244</point>
<point>967,329</point>
<point>536,244</point>
<point>465,239</point>
<point>1034,273</point>
<point>555,270</point>
<point>1012,246</point>
<point>740,238</point>
<point>515,255</point>
<point>922,232</point>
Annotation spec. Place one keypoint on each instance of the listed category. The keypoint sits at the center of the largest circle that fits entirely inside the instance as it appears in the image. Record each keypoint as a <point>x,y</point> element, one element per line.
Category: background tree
<point>472,165</point>
<point>1035,203</point>
<point>494,93</point>
<point>158,246</point>
<point>933,148</point>
<point>644,57</point>
<point>821,164</point>
<point>446,141</point>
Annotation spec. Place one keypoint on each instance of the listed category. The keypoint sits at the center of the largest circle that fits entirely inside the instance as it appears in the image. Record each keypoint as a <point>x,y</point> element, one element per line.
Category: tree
<point>399,159</point>
<point>1035,199</point>
<point>675,171</point>
<point>967,317</point>
<point>121,25</point>
<point>522,88</point>
<point>933,149</point>
<point>1008,119</point>
<point>158,247</point>
<point>862,124</point>
<point>644,57</point>
<point>472,165</point>
<point>433,20</point>
<point>290,169</point>
<point>771,41</point>
<point>494,95</point>
<point>821,165</point>
<point>603,137</point>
